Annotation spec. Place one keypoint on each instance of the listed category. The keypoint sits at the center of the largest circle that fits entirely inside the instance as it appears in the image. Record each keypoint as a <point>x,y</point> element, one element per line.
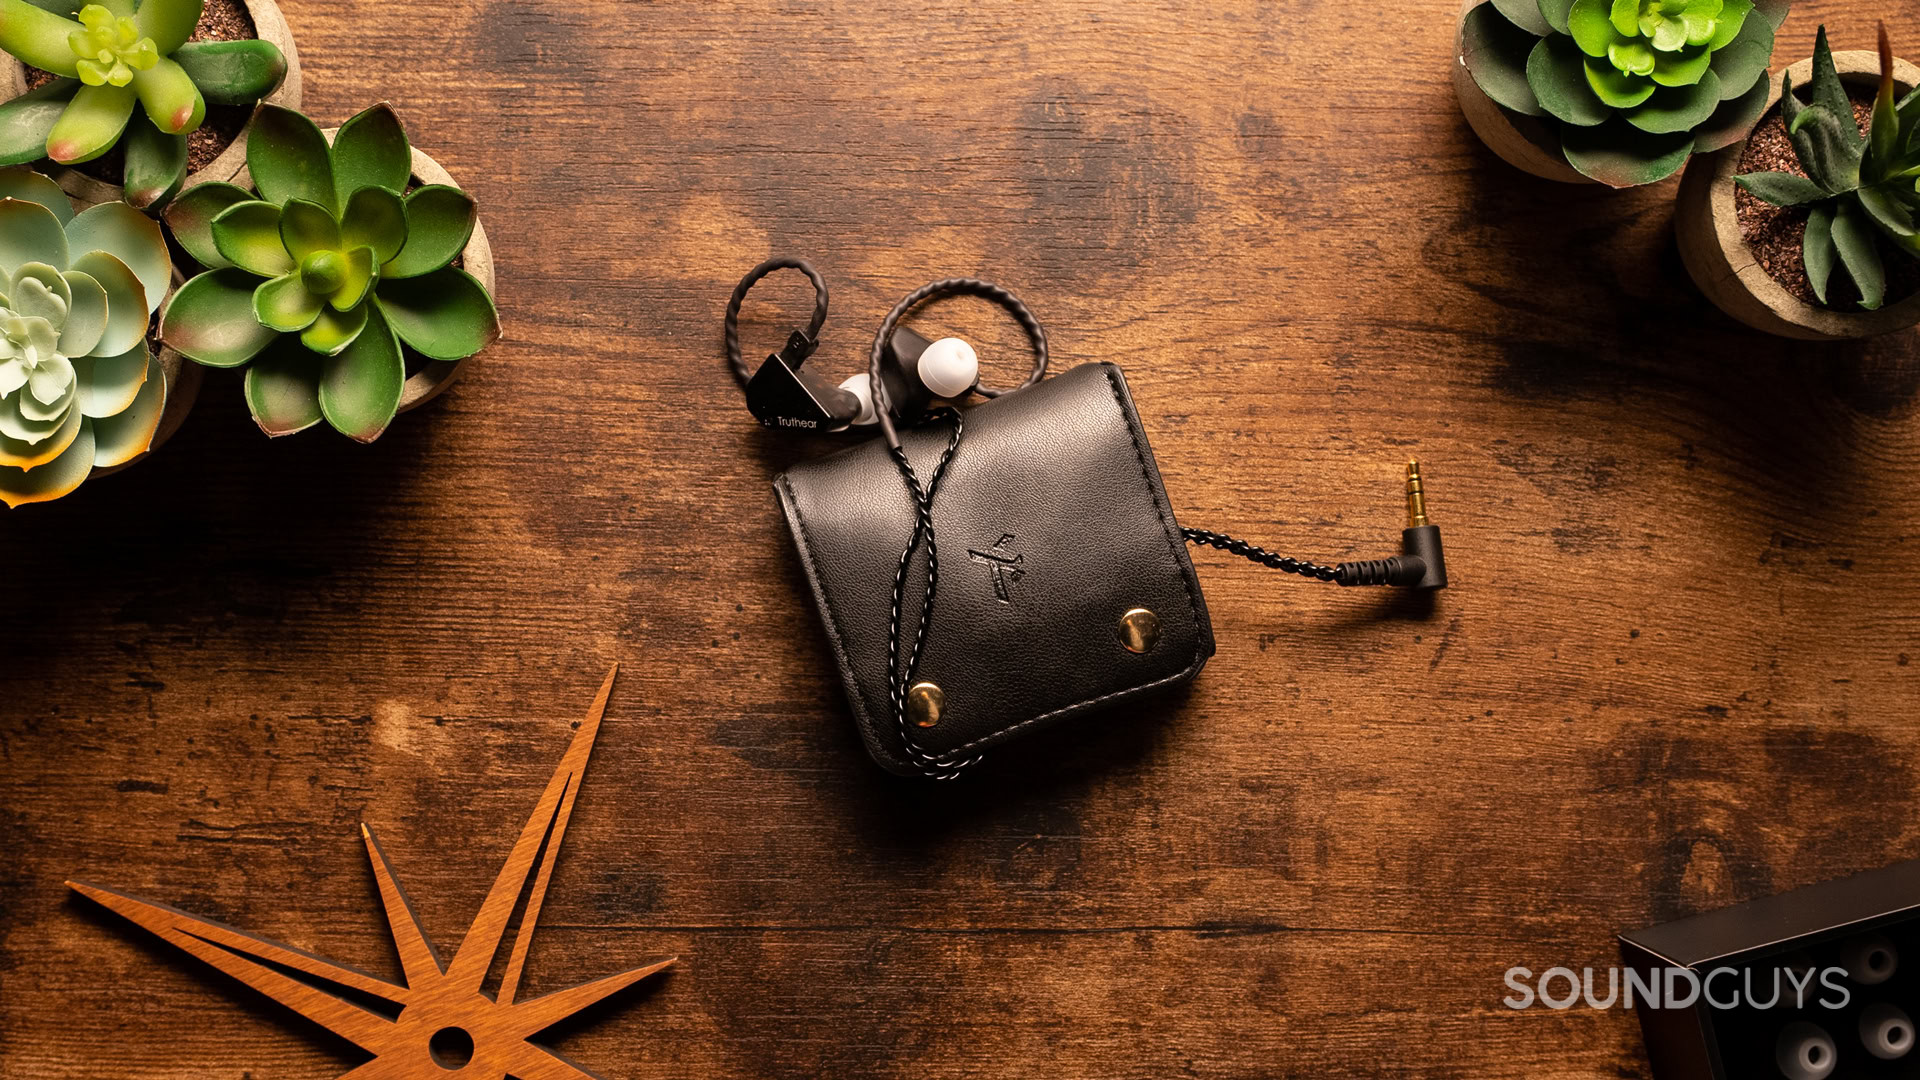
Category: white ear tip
<point>1804,1052</point>
<point>1886,1031</point>
<point>859,387</point>
<point>949,368</point>
<point>1870,960</point>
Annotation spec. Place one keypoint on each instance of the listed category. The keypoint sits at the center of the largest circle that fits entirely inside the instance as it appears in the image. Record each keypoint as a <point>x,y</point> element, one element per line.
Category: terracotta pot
<point>268,25</point>
<point>477,258</point>
<point>1707,226</point>
<point>1527,143</point>
<point>183,389</point>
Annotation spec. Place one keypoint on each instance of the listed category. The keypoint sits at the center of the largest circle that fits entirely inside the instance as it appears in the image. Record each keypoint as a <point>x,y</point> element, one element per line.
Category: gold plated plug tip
<point>1416,498</point>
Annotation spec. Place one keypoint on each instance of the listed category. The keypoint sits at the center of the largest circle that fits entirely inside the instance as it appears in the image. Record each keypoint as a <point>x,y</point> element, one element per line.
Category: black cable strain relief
<point>1369,572</point>
<point>1393,570</point>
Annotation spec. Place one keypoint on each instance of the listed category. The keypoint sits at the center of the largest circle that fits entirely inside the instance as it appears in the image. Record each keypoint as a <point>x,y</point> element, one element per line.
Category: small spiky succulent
<point>1855,184</point>
<point>315,281</point>
<point>110,56</point>
<point>79,387</point>
<point>1627,89</point>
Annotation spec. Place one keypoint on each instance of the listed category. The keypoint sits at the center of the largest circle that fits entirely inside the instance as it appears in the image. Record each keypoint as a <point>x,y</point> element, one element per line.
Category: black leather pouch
<point>1052,525</point>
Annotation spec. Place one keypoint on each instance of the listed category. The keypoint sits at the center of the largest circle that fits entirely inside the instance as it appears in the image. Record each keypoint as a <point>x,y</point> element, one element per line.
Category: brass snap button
<point>925,701</point>
<point>1139,630</point>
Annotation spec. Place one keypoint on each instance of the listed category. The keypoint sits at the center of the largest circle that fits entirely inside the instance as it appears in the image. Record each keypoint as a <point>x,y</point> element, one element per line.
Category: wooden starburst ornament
<point>441,1024</point>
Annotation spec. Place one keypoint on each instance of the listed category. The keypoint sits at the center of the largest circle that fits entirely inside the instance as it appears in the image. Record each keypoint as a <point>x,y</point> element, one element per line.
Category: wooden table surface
<point>1673,671</point>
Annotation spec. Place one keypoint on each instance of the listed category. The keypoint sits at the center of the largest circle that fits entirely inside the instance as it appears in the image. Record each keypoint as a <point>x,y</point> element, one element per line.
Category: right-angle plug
<point>1421,538</point>
<point>1421,563</point>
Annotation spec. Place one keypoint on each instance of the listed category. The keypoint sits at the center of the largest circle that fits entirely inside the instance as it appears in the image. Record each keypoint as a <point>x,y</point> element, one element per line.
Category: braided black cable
<point>934,766</point>
<point>1261,555</point>
<point>779,262</point>
<point>986,290</point>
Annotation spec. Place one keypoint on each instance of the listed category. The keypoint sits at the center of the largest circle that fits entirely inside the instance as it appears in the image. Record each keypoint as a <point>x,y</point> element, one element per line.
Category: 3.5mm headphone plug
<point>1421,563</point>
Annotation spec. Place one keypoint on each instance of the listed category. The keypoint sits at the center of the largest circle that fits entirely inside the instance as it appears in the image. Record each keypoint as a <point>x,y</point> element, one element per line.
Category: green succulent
<point>1855,184</point>
<point>79,387</point>
<point>110,55</point>
<point>314,282</point>
<point>1626,90</point>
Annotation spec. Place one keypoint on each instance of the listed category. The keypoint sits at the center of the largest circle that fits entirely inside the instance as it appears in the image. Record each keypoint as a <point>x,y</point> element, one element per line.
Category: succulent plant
<point>78,385</point>
<point>108,56</point>
<point>1855,184</point>
<point>314,282</point>
<point>1625,90</point>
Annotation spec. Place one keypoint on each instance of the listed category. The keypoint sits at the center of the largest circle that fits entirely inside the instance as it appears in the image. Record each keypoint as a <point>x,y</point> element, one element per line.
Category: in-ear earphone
<point>917,372</point>
<point>782,393</point>
<point>912,371</point>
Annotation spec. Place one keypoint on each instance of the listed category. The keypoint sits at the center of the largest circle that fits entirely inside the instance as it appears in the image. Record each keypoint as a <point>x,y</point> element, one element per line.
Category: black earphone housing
<point>899,371</point>
<point>783,394</point>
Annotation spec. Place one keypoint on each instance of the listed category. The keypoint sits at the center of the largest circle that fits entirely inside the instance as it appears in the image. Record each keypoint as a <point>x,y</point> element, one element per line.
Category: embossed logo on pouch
<point>1003,564</point>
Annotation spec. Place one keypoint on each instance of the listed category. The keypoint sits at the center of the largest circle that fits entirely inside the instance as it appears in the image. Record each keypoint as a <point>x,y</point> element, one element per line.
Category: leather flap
<point>1051,524</point>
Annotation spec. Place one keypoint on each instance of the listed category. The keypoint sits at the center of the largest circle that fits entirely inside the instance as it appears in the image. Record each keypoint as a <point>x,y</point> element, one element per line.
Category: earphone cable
<point>935,766</point>
<point>1421,564</point>
<point>900,679</point>
<point>1285,563</point>
<point>732,321</point>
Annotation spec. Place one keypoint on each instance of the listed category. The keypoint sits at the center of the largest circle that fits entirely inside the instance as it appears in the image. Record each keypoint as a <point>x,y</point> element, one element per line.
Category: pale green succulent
<point>1644,37</point>
<point>79,387</point>
<point>109,57</point>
